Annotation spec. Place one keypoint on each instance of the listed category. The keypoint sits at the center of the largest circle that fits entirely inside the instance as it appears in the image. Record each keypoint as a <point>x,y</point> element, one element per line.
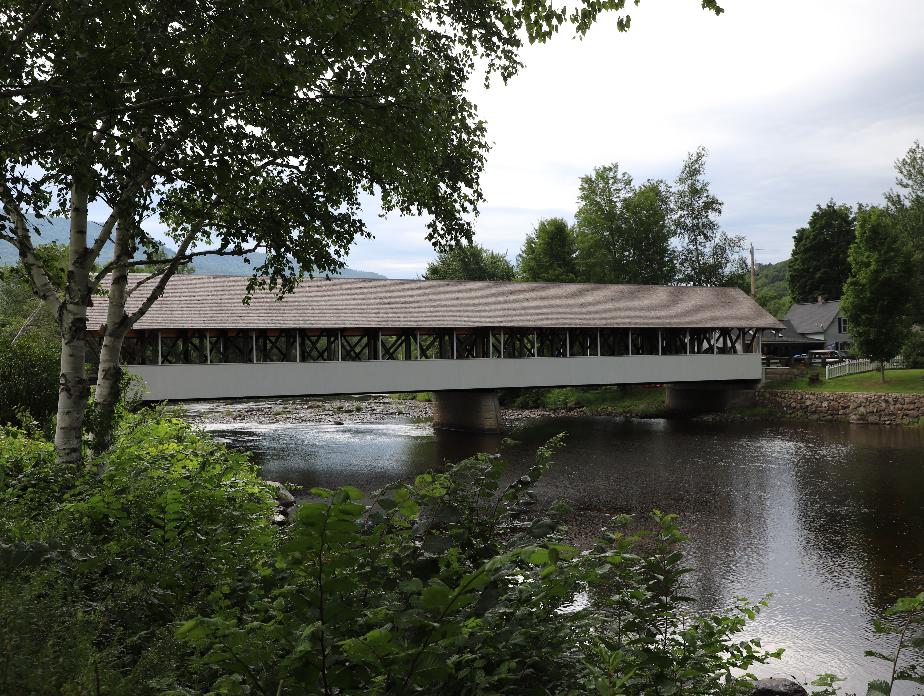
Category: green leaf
<point>436,595</point>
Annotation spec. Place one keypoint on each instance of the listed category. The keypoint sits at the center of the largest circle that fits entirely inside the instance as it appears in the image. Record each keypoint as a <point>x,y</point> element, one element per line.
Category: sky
<point>797,102</point>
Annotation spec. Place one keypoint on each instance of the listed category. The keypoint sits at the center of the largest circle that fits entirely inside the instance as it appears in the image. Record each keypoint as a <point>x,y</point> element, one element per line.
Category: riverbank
<point>832,400</point>
<point>517,408</point>
<point>897,382</point>
<point>861,398</point>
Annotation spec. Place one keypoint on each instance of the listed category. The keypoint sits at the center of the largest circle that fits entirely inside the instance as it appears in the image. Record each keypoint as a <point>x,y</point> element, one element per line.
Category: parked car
<point>825,357</point>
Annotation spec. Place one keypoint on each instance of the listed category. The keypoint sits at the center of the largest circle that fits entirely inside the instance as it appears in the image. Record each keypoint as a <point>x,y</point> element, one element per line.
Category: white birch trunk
<point>109,377</point>
<point>74,390</point>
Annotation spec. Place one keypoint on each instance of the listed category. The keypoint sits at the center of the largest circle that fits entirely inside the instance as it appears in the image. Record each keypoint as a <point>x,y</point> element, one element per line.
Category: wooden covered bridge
<point>355,336</point>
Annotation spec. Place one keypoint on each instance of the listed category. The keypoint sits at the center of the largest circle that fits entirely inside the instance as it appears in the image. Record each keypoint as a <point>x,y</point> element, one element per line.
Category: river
<point>827,517</point>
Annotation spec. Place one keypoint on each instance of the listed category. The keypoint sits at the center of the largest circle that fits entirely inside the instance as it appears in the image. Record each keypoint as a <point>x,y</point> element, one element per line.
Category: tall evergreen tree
<point>469,262</point>
<point>707,255</point>
<point>549,252</point>
<point>819,264</point>
<point>623,234</point>
<point>877,295</point>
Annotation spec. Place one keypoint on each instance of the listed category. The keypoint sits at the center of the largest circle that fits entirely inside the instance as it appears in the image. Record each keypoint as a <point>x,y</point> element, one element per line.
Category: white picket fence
<point>853,367</point>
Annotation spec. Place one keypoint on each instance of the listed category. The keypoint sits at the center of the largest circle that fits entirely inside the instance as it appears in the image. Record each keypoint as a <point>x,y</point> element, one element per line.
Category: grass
<point>897,382</point>
<point>412,396</point>
<point>634,401</point>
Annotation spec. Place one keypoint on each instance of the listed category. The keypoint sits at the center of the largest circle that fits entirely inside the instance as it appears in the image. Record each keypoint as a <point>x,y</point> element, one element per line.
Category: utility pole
<point>753,274</point>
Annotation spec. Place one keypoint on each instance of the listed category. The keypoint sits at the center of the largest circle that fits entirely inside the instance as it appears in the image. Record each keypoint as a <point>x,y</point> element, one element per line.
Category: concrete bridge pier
<point>709,397</point>
<point>469,410</point>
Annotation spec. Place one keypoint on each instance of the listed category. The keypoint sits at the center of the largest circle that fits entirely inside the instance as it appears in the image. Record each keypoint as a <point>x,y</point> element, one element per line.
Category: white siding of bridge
<point>308,379</point>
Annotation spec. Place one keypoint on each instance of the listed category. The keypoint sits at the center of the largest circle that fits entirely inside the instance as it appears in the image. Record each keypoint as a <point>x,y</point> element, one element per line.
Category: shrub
<point>176,524</point>
<point>454,584</point>
<point>913,350</point>
<point>28,379</point>
<point>163,574</point>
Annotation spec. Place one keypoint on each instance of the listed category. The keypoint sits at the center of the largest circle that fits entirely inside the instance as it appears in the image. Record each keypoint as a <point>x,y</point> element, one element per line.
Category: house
<point>808,326</point>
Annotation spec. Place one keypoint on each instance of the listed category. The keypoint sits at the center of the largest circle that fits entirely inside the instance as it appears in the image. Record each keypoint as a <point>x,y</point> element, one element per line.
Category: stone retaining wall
<point>856,407</point>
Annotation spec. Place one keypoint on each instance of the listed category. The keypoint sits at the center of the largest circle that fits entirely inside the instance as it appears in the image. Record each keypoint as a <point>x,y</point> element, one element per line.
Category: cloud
<point>797,102</point>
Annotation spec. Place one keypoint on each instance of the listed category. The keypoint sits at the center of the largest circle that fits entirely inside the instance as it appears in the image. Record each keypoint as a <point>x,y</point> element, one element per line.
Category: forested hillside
<point>773,287</point>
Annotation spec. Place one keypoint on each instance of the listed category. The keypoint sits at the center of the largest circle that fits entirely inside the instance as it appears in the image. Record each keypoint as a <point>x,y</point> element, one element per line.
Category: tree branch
<point>38,277</point>
<point>185,258</point>
<point>166,274</point>
<point>26,324</point>
<point>27,27</point>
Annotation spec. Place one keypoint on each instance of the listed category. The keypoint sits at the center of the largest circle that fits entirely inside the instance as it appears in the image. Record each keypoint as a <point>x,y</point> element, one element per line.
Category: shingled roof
<point>813,317</point>
<point>215,302</point>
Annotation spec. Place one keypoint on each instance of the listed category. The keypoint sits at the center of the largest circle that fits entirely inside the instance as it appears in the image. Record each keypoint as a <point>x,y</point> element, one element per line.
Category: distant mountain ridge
<point>56,230</point>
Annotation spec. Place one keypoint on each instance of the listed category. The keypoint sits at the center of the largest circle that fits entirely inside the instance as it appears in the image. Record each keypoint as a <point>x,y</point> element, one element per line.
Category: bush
<point>28,379</point>
<point>163,574</point>
<point>456,585</point>
<point>412,396</point>
<point>913,350</point>
<point>176,524</point>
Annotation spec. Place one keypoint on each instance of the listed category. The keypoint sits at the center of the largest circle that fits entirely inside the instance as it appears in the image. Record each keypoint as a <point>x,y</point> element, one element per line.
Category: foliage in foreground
<point>453,584</point>
<point>95,570</point>
<point>163,575</point>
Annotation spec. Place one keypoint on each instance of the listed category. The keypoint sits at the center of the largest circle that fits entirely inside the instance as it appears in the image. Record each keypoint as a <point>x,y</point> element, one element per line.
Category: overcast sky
<point>797,101</point>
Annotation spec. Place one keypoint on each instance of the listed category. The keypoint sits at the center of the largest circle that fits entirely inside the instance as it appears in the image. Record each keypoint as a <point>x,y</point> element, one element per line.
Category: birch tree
<point>238,125</point>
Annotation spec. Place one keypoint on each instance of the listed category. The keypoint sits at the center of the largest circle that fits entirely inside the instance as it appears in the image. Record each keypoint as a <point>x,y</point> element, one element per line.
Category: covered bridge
<point>364,336</point>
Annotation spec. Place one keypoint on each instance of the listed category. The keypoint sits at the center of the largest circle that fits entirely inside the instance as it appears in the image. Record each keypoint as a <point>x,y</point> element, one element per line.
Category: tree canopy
<point>907,204</point>
<point>624,235</point>
<point>469,262</point>
<point>707,255</point>
<point>877,295</point>
<point>549,253</point>
<point>819,264</point>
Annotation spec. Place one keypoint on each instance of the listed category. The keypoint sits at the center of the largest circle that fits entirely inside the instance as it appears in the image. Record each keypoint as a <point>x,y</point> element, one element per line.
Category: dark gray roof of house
<point>812,317</point>
<point>787,334</point>
<point>200,302</point>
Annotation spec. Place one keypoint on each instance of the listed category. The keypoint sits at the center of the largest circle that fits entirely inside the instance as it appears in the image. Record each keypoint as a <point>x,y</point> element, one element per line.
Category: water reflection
<point>828,517</point>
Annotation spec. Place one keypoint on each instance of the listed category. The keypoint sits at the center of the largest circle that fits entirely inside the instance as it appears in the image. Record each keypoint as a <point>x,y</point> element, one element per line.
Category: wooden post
<point>208,349</point>
<point>659,341</point>
<point>630,342</point>
<point>339,348</point>
<point>688,341</point>
<point>160,350</point>
<point>298,345</point>
<point>535,345</point>
<point>253,336</point>
<point>598,343</point>
<point>567,343</point>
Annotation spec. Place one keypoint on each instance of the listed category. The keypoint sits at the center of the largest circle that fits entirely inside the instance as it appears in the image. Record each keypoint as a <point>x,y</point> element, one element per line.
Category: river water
<point>827,517</point>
